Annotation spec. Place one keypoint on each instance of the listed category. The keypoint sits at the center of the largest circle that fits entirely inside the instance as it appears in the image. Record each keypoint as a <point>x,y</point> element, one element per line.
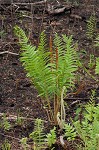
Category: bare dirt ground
<point>17,95</point>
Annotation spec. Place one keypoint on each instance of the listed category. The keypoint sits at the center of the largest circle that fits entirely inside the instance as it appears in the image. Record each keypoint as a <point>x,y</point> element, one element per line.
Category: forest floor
<point>18,97</point>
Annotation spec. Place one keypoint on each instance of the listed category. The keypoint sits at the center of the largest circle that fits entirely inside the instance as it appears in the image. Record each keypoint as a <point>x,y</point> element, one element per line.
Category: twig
<point>14,118</point>
<point>7,43</point>
<point>76,98</point>
<point>41,2</point>
<point>7,52</point>
<point>74,103</point>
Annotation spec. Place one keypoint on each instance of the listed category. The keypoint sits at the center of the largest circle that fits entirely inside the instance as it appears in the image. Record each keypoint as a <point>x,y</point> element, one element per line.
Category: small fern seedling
<point>5,123</point>
<point>70,132</point>
<point>91,61</point>
<point>51,137</point>
<point>91,27</point>
<point>37,135</point>
<point>24,143</point>
<point>6,145</point>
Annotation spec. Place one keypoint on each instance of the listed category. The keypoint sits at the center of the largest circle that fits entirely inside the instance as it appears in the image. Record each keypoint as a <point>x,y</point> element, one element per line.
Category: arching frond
<point>66,61</point>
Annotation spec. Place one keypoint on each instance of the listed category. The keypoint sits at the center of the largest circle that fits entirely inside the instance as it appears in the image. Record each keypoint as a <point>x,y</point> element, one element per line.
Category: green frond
<point>42,49</point>
<point>51,137</point>
<point>97,66</point>
<point>70,132</point>
<point>97,41</point>
<point>58,42</point>
<point>42,43</point>
<point>88,128</point>
<point>21,35</point>
<point>91,26</point>
<point>38,135</point>
<point>67,64</point>
<point>35,61</point>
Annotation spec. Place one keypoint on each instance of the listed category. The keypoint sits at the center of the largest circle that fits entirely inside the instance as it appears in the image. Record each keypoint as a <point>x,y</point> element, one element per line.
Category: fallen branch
<point>14,118</point>
<point>76,98</point>
<point>7,52</point>
<point>9,2</point>
<point>27,3</point>
<point>53,10</point>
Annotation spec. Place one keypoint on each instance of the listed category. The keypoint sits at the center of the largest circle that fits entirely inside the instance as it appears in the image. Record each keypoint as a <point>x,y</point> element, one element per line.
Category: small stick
<point>7,52</point>
<point>76,98</point>
<point>35,3</point>
<point>14,118</point>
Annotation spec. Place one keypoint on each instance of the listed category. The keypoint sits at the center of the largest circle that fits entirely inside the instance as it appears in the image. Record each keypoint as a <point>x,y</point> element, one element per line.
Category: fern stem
<point>56,97</point>
<point>49,113</point>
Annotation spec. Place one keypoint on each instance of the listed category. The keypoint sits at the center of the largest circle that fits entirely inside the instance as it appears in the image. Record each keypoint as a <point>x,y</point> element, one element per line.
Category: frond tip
<point>21,35</point>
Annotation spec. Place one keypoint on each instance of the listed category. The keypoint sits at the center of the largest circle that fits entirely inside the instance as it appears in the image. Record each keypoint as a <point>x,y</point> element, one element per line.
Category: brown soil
<point>17,95</point>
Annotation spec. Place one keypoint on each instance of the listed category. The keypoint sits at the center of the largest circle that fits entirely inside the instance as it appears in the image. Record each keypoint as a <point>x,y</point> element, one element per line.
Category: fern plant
<point>70,132</point>
<point>5,123</point>
<point>37,135</point>
<point>24,143</point>
<point>49,68</point>
<point>6,145</point>
<point>91,27</point>
<point>88,129</point>
<point>51,137</point>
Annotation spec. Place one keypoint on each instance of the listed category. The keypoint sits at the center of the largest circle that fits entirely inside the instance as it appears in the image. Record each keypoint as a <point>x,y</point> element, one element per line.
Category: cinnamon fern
<point>49,68</point>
